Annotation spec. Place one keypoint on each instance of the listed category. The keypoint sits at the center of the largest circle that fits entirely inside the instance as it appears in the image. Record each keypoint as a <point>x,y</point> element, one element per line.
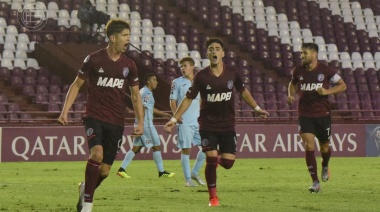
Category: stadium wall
<point>253,141</point>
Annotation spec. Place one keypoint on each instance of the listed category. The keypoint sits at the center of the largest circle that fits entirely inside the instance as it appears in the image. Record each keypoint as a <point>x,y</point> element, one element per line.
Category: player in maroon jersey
<point>108,72</point>
<point>312,79</point>
<point>217,112</point>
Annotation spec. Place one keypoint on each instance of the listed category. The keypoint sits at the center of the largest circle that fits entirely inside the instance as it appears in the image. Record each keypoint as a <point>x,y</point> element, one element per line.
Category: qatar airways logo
<point>110,82</point>
<point>219,97</point>
<point>310,86</point>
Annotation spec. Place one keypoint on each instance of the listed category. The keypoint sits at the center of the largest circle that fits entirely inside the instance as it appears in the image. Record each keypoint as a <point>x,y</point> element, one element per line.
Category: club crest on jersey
<point>89,131</point>
<point>125,71</point>
<point>321,77</point>
<point>230,84</point>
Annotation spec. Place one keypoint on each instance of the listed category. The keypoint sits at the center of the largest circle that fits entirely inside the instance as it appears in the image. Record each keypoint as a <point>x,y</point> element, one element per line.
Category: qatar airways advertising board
<point>253,141</point>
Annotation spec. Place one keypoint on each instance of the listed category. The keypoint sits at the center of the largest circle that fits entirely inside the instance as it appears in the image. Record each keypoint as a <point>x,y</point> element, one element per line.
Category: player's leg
<point>227,149</point>
<point>209,146</point>
<point>94,132</point>
<point>137,145</point>
<point>307,133</point>
<point>157,157</point>
<point>185,163</point>
<point>113,136</point>
<point>323,134</point>
<point>201,157</point>
<point>184,143</point>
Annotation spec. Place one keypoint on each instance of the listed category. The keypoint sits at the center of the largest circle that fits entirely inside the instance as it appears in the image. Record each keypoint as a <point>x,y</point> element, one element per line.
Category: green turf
<point>251,185</point>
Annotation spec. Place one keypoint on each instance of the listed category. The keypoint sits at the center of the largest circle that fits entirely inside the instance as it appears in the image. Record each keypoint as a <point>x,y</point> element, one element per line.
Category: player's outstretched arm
<point>247,97</point>
<point>72,94</point>
<point>139,111</point>
<point>291,93</point>
<point>185,104</point>
<point>161,113</point>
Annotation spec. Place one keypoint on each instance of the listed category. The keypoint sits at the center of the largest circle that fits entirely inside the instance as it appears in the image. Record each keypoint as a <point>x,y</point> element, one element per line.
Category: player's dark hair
<point>148,76</point>
<point>311,46</point>
<point>214,40</point>
<point>115,26</point>
<point>187,59</point>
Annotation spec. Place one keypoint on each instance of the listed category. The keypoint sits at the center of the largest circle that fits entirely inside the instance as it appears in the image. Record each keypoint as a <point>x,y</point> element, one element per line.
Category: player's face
<point>122,40</point>
<point>186,68</point>
<point>215,53</point>
<point>307,56</point>
<point>152,82</point>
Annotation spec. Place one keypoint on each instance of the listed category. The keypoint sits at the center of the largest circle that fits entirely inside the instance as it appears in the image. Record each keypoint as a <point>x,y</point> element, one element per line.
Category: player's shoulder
<point>230,68</point>
<point>298,69</point>
<point>127,59</point>
<point>326,68</point>
<point>95,55</point>
<point>178,79</point>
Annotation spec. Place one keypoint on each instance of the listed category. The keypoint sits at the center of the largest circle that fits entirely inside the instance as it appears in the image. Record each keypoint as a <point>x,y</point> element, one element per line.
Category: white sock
<point>87,207</point>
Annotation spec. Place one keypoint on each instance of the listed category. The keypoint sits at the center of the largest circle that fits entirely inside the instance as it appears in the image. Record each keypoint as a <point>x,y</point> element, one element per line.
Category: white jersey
<point>178,91</point>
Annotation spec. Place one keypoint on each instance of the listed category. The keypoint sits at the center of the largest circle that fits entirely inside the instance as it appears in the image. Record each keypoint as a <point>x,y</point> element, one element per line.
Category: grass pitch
<point>251,185</point>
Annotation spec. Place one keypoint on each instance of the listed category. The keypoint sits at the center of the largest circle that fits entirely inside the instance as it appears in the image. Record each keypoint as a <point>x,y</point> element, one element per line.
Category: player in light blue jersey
<point>188,131</point>
<point>150,138</point>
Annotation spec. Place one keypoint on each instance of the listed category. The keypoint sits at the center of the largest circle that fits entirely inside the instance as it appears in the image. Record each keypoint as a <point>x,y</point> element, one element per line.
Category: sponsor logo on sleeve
<point>146,99</point>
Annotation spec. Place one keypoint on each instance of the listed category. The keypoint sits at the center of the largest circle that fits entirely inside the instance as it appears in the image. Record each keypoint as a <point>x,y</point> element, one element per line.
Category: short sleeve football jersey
<point>178,91</point>
<point>148,104</point>
<point>217,111</point>
<point>107,85</point>
<point>311,104</point>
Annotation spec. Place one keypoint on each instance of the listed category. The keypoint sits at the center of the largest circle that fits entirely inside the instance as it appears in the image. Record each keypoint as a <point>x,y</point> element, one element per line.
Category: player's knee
<point>212,160</point>
<point>186,151</point>
<point>227,163</point>
<point>136,149</point>
<point>156,148</point>
<point>104,174</point>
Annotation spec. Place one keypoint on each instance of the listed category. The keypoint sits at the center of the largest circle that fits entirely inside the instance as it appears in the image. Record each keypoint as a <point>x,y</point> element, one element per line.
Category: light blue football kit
<point>150,137</point>
<point>188,131</point>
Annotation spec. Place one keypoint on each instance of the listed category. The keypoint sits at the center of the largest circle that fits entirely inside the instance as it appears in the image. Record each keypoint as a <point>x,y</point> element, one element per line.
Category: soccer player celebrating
<point>188,131</point>
<point>150,137</point>
<point>108,72</point>
<point>313,82</point>
<point>217,112</point>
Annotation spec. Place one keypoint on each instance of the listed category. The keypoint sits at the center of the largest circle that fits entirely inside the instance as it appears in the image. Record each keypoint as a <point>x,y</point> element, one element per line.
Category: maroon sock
<point>92,176</point>
<point>100,180</point>
<point>226,163</point>
<point>311,163</point>
<point>326,157</point>
<point>210,173</point>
